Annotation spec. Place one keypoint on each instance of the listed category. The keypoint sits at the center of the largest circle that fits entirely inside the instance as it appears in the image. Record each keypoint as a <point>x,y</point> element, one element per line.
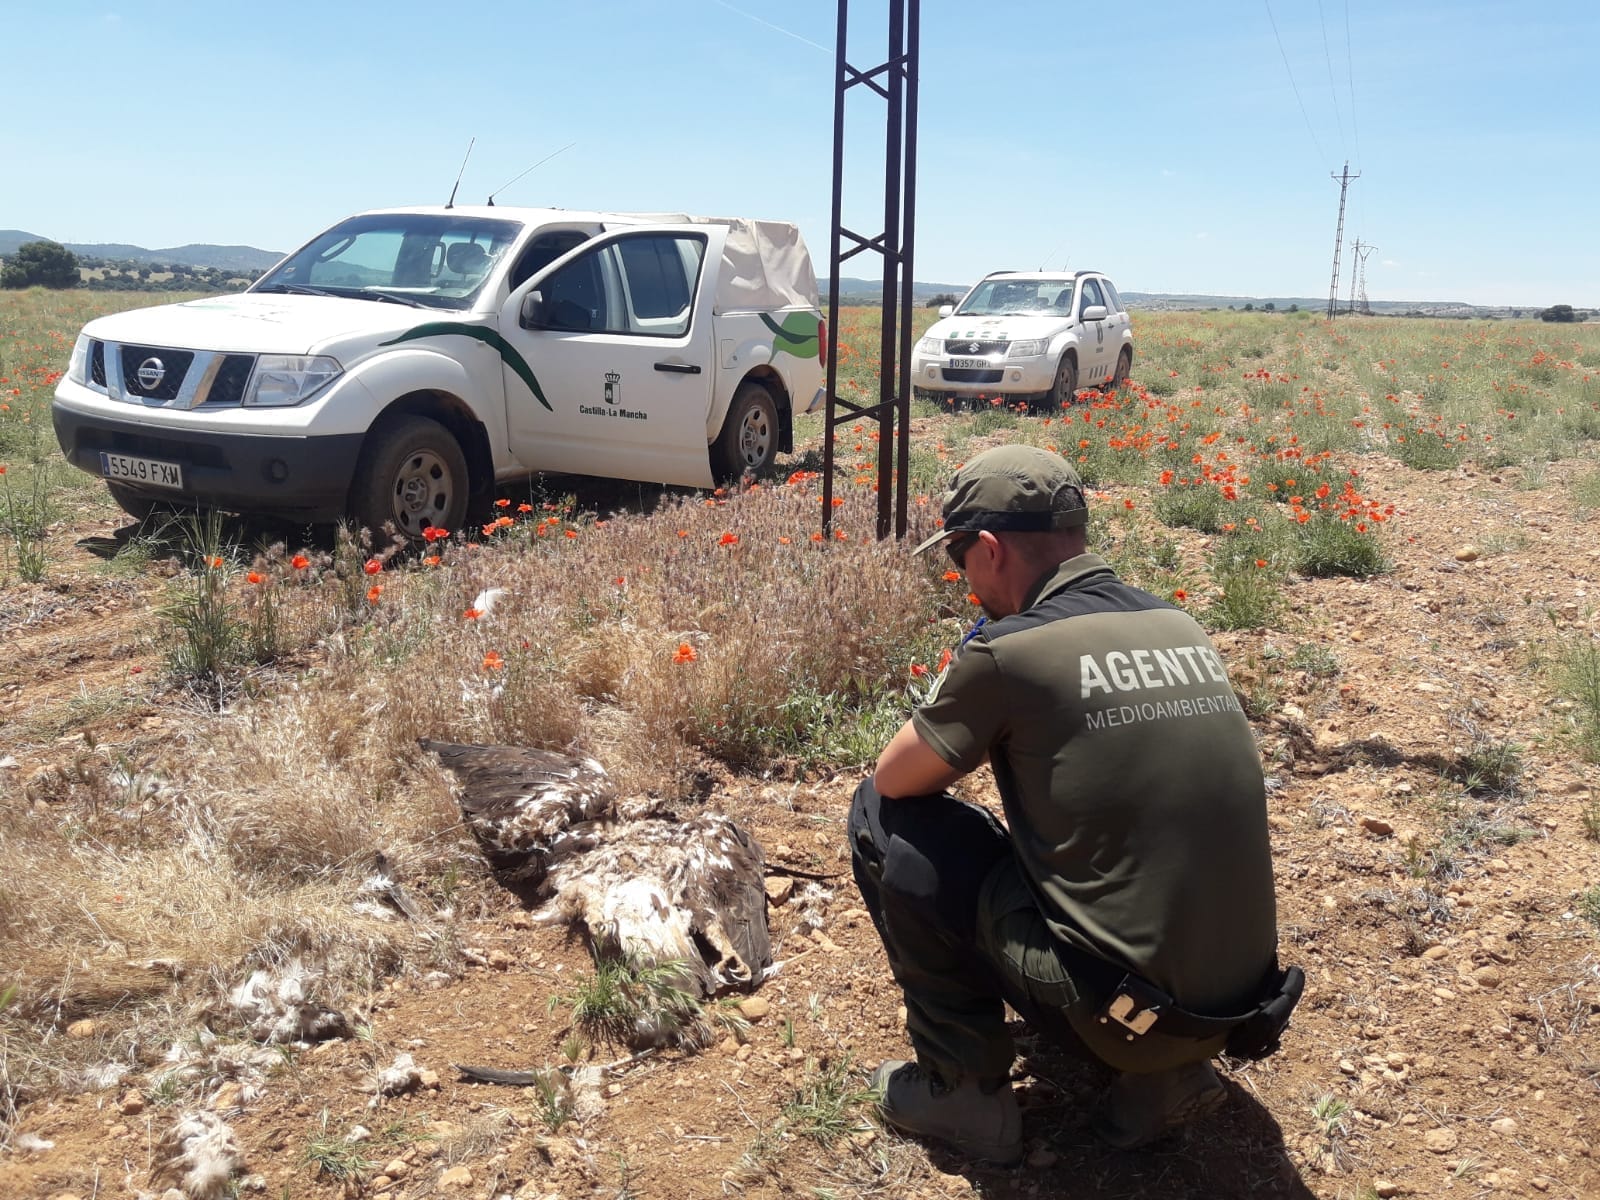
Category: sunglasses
<point>957,548</point>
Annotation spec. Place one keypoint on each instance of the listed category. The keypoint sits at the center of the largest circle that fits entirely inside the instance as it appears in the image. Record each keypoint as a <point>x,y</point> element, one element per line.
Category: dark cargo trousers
<point>964,937</point>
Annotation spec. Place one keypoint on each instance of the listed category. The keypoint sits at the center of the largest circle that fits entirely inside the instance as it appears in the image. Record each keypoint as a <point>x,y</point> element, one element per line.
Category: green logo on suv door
<point>797,335</point>
<point>490,337</point>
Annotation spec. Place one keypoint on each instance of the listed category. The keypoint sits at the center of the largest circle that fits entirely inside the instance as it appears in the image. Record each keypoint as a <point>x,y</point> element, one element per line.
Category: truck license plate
<point>141,470</point>
<point>970,364</point>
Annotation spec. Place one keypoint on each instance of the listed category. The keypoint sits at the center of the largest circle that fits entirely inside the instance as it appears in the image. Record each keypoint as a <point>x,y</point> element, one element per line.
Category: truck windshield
<point>440,260</point>
<point>993,297</point>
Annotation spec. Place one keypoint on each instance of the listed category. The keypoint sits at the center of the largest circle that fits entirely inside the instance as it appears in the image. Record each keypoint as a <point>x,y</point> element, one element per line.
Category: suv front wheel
<point>1066,384</point>
<point>412,475</point>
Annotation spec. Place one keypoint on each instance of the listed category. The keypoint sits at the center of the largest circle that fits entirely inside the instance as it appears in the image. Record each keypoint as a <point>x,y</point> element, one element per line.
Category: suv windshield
<point>993,297</point>
<point>435,259</point>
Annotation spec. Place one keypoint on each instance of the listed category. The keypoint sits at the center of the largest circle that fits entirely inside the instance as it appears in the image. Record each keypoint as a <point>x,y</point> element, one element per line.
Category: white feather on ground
<point>201,1153</point>
<point>281,1007</point>
<point>650,887</point>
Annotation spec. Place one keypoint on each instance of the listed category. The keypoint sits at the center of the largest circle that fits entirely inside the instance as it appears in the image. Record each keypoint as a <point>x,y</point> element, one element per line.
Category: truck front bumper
<point>304,477</point>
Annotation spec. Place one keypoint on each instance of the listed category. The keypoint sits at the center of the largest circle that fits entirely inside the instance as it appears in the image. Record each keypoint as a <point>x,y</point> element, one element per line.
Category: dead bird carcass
<point>642,883</point>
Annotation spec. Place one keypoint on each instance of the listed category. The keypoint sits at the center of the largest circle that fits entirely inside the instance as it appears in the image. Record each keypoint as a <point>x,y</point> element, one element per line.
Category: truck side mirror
<point>946,309</point>
<point>1095,312</point>
<point>533,314</point>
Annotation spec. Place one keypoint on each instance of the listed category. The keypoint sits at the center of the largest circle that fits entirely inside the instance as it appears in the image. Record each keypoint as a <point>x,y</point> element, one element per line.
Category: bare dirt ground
<point>1448,1042</point>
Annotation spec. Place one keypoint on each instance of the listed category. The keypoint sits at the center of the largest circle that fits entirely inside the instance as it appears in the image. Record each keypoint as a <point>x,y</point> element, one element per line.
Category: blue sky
<point>1165,142</point>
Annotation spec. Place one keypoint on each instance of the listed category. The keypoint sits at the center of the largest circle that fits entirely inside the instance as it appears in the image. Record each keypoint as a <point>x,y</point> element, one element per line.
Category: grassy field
<point>675,636</point>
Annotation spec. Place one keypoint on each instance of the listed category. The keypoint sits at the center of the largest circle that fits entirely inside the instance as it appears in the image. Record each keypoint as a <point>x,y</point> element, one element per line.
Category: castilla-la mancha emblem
<point>613,387</point>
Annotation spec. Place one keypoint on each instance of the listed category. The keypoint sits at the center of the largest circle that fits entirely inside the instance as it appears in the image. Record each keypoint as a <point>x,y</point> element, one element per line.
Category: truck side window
<point>575,296</point>
<point>660,272</point>
<point>542,251</point>
<point>1111,295</point>
<point>1089,293</point>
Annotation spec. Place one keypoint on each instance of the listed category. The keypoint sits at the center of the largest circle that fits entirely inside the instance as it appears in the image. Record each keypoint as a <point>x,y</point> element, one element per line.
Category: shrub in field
<point>1196,506</point>
<point>1586,491</point>
<point>1247,569</point>
<point>206,636</point>
<point>1424,450</point>
<point>1577,673</point>
<point>1327,545</point>
<point>26,518</point>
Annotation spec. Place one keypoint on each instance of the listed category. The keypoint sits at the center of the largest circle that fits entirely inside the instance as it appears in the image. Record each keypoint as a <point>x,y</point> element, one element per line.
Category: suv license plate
<point>141,470</point>
<point>971,364</point>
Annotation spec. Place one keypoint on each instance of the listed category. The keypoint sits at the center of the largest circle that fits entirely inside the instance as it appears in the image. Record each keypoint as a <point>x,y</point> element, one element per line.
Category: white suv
<point>1027,336</point>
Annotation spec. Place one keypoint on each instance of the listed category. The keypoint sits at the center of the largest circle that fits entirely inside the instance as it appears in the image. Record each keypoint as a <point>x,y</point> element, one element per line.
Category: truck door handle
<point>678,368</point>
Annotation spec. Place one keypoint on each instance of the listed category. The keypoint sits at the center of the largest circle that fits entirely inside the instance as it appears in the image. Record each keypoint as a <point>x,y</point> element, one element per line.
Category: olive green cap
<point>1015,489</point>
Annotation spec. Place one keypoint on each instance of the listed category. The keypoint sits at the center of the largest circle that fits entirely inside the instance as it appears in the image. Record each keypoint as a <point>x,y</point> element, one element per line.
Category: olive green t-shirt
<point>1130,777</point>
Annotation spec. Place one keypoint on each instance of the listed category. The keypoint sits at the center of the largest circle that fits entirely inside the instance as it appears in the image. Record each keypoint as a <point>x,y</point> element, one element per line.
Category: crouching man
<point>1128,911</point>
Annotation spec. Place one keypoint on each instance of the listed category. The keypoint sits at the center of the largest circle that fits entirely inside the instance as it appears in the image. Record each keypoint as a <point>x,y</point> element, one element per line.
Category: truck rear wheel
<point>413,476</point>
<point>1124,366</point>
<point>748,443</point>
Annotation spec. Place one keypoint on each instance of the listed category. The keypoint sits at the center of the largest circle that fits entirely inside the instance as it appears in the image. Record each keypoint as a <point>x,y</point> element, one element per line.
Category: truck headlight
<point>78,365</point>
<point>1030,348</point>
<point>930,345</point>
<point>285,379</point>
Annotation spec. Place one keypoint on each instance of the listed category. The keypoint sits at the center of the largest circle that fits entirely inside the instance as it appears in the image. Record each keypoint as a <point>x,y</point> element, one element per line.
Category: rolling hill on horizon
<point>195,254</point>
<point>852,290</point>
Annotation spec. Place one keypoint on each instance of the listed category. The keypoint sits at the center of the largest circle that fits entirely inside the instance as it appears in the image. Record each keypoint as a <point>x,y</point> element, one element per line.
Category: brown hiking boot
<point>979,1123</point>
<point>1140,1109</point>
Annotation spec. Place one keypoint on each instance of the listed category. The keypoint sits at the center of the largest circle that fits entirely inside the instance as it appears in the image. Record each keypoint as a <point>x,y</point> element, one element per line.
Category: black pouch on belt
<point>1257,1035</point>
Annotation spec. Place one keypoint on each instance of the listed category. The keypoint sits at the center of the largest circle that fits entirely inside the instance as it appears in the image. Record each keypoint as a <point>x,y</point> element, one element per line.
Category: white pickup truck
<point>1028,336</point>
<point>399,364</point>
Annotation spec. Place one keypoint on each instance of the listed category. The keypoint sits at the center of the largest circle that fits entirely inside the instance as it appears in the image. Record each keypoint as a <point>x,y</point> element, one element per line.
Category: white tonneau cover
<point>765,264</point>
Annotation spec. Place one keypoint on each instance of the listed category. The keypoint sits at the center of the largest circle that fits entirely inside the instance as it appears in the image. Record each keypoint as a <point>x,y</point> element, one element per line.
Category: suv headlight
<point>930,345</point>
<point>281,380</point>
<point>1030,348</point>
<point>78,366</point>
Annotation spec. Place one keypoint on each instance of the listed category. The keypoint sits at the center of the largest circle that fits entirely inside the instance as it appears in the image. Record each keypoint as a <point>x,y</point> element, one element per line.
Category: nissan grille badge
<point>150,373</point>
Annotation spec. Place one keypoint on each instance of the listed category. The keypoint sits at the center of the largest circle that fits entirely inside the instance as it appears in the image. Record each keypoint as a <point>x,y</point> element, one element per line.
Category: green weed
<point>1197,506</point>
<point>206,637</point>
<point>1327,546</point>
<point>825,1106</point>
<point>26,519</point>
<point>629,1004</point>
<point>335,1157</point>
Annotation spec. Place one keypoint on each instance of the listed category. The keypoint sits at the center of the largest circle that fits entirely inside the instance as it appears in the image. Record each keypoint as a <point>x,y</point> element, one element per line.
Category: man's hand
<point>909,766</point>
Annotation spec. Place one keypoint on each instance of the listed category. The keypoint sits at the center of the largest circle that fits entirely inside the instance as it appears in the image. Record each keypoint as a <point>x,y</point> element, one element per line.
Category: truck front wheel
<point>1066,384</point>
<point>412,475</point>
<point>748,443</point>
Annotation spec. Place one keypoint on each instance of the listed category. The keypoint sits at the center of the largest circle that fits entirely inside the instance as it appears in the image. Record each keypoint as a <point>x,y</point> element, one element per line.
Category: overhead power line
<point>1328,55</point>
<point>1349,62</point>
<point>1292,83</point>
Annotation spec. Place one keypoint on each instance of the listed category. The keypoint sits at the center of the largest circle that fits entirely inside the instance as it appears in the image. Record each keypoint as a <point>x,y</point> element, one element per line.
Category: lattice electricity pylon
<point>895,79</point>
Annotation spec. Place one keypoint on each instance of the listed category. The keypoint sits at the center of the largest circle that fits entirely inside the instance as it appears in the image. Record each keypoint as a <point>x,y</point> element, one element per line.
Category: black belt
<point>1137,1006</point>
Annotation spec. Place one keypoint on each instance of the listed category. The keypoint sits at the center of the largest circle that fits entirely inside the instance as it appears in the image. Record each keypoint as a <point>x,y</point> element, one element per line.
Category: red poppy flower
<point>372,566</point>
<point>299,562</point>
<point>685,653</point>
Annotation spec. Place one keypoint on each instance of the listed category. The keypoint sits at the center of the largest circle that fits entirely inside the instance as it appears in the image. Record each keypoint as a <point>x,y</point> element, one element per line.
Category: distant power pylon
<point>1338,239</point>
<point>1359,276</point>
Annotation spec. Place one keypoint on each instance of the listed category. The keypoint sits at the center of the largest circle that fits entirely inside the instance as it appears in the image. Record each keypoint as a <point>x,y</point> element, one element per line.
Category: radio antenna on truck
<point>540,163</point>
<point>451,203</point>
